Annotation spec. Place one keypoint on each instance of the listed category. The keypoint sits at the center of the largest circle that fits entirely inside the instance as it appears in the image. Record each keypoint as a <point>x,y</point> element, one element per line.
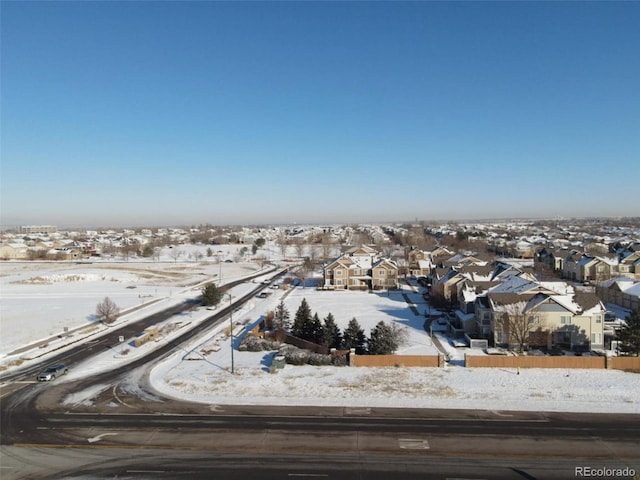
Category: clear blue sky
<point>142,113</point>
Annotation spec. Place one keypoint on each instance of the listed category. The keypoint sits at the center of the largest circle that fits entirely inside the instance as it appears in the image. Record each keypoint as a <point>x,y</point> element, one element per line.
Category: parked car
<point>51,372</point>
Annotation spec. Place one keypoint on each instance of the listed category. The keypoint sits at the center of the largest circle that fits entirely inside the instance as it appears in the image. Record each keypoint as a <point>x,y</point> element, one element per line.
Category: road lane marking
<point>413,443</point>
<point>97,438</point>
<point>307,475</point>
<point>357,411</point>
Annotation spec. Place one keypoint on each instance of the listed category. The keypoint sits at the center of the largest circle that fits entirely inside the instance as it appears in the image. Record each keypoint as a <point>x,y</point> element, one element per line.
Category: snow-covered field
<point>39,300</point>
<point>201,372</point>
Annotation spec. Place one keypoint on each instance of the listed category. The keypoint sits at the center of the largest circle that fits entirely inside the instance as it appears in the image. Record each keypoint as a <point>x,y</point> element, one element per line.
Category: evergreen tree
<point>354,336</point>
<point>313,330</point>
<point>629,335</point>
<point>301,319</point>
<point>281,318</point>
<point>381,340</point>
<point>332,337</point>
<point>211,294</point>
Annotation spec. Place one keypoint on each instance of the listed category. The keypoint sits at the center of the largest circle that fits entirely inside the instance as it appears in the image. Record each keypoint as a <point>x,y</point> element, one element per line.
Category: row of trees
<point>384,338</point>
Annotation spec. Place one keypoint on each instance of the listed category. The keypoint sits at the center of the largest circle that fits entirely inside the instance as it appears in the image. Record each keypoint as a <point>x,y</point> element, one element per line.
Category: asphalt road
<point>184,464</point>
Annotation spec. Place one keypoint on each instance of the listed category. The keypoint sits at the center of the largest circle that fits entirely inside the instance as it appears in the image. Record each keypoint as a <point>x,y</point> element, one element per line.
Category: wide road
<point>213,441</point>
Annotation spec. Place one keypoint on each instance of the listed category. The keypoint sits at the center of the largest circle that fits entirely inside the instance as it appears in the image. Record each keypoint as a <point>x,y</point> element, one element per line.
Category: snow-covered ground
<point>201,371</point>
<point>39,300</point>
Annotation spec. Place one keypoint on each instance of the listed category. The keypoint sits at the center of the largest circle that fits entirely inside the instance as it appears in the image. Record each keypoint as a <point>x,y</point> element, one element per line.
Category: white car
<point>51,372</point>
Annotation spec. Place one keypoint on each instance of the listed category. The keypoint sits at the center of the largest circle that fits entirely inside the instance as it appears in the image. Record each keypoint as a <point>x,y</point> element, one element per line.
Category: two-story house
<point>420,263</point>
<point>360,268</point>
<point>567,319</point>
<point>580,267</point>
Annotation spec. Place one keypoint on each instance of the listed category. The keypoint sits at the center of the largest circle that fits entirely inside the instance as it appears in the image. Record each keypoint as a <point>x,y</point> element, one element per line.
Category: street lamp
<point>231,328</point>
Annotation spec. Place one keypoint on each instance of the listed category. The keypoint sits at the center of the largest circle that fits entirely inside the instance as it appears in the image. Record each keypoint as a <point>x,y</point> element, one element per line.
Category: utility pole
<point>231,329</point>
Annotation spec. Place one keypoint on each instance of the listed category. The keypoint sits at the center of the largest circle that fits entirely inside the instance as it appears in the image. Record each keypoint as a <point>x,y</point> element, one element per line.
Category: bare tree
<point>281,241</point>
<point>514,325</point>
<point>313,254</point>
<point>327,246</point>
<point>262,261</point>
<point>299,246</point>
<point>127,249</point>
<point>107,311</point>
<point>175,254</point>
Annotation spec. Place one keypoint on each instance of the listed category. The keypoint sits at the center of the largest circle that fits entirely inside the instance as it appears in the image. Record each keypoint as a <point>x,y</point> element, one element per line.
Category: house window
<point>356,271</point>
<point>565,320</point>
<point>535,319</point>
<point>338,272</point>
<point>598,319</point>
<point>596,338</point>
<point>382,272</point>
<point>338,282</point>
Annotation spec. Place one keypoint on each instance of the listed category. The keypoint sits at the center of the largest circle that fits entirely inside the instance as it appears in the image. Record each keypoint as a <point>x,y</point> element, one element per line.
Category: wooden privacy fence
<point>496,361</point>
<point>624,363</point>
<point>396,360</point>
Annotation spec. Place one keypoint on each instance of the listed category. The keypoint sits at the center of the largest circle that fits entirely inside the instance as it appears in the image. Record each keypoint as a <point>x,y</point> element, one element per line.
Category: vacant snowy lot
<point>39,300</point>
<point>369,309</point>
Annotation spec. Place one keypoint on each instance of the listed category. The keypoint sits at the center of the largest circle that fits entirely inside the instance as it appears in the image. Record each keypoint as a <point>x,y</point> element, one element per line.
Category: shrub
<point>251,343</point>
<point>319,359</point>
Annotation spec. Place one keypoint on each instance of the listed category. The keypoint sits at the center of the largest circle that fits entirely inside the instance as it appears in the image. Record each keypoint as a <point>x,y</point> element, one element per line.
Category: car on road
<point>52,371</point>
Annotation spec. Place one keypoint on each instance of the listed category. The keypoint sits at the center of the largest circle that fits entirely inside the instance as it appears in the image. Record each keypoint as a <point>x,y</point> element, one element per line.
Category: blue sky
<point>150,113</point>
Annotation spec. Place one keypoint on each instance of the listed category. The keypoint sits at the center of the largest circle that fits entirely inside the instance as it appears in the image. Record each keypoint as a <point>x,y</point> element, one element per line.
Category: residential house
<point>581,267</point>
<point>385,275</point>
<point>461,259</point>
<point>13,251</point>
<point>629,264</point>
<point>521,249</point>
<point>444,284</point>
<point>621,291</point>
<point>552,311</point>
<point>360,268</point>
<point>551,258</point>
<point>419,262</point>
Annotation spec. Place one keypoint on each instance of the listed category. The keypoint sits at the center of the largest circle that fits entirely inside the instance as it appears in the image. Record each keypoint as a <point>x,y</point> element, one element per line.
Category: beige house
<point>580,267</point>
<point>385,275</point>
<point>629,265</point>
<point>13,251</point>
<point>360,268</point>
<point>419,262</point>
<point>563,319</point>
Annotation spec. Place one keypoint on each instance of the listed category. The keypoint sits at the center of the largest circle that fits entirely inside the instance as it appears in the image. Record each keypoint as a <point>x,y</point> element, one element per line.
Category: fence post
<point>352,357</point>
